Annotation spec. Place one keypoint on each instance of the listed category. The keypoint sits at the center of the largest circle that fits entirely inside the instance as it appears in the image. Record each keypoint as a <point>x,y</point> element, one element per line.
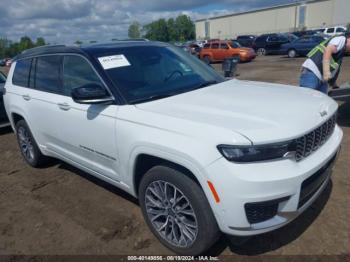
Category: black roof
<point>93,49</point>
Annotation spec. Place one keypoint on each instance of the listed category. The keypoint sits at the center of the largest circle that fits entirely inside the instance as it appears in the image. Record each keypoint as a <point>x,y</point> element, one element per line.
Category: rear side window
<point>77,72</point>
<point>261,39</point>
<point>330,30</point>
<point>47,77</point>
<point>21,73</point>
<point>215,46</point>
<point>224,46</point>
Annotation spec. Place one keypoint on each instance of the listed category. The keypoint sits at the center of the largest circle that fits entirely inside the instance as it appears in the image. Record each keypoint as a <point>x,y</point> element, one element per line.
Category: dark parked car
<point>246,40</point>
<point>271,43</point>
<point>301,46</point>
<point>3,117</point>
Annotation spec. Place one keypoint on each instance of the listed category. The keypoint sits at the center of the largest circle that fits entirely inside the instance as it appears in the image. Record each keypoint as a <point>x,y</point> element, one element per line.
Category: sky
<point>66,21</point>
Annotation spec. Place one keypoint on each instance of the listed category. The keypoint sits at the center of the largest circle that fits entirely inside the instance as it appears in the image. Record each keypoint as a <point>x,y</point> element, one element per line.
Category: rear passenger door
<point>223,52</point>
<point>86,132</point>
<point>215,50</point>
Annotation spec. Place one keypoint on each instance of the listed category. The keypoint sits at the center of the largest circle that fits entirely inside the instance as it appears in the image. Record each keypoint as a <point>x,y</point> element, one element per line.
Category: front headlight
<point>244,154</point>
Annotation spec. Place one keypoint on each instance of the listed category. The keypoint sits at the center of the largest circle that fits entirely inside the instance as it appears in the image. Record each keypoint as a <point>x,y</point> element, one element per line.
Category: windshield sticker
<point>114,61</point>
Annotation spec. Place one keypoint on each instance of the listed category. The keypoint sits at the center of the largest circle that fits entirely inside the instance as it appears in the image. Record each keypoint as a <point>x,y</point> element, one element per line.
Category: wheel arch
<point>145,161</point>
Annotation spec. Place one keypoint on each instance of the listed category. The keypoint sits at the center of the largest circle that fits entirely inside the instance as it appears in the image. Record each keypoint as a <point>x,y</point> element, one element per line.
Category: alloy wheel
<point>261,51</point>
<point>26,144</point>
<point>171,214</point>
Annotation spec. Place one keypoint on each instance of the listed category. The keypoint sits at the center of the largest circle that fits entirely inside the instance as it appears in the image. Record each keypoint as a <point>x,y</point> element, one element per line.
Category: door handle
<point>64,106</point>
<point>26,97</point>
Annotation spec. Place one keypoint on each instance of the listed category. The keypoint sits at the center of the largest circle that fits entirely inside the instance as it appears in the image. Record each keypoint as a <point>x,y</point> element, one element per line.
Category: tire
<point>206,59</point>
<point>261,51</point>
<point>292,53</point>
<point>203,232</point>
<point>29,148</point>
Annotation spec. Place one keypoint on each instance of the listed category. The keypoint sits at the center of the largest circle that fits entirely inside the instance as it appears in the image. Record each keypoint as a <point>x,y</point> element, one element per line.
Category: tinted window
<point>47,76</point>
<point>261,39</point>
<point>215,46</point>
<point>76,73</point>
<point>340,30</point>
<point>206,46</point>
<point>2,78</point>
<point>305,40</point>
<point>21,73</point>
<point>223,46</point>
<point>273,39</point>
<point>330,30</point>
<point>235,44</point>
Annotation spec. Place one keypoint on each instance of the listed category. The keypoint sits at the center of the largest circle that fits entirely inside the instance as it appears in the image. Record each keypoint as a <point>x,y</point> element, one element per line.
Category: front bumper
<point>240,184</point>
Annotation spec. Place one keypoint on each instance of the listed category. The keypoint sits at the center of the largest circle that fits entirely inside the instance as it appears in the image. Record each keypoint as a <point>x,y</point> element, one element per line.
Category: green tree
<point>157,30</point>
<point>180,29</point>
<point>172,30</point>
<point>134,30</point>
<point>185,27</point>
<point>25,43</point>
<point>40,41</point>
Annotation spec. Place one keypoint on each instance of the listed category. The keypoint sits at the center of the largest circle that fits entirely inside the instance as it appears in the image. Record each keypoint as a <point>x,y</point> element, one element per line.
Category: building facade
<point>309,14</point>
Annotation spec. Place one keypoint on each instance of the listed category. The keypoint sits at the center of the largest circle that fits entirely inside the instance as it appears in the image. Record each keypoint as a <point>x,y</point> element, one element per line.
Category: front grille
<point>262,211</point>
<point>310,186</point>
<point>310,142</point>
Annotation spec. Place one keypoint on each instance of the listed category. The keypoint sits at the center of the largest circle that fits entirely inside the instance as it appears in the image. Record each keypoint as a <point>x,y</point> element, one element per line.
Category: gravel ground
<point>59,210</point>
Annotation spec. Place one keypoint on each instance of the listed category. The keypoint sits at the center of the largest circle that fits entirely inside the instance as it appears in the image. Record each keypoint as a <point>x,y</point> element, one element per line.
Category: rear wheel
<point>29,148</point>
<point>177,211</point>
<point>292,53</point>
<point>261,52</point>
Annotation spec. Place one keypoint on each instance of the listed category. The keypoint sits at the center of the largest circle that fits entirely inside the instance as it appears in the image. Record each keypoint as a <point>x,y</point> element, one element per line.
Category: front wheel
<point>261,52</point>
<point>177,211</point>
<point>292,53</point>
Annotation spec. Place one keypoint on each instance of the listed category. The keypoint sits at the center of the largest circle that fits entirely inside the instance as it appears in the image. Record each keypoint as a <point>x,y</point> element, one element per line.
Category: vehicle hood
<point>262,112</point>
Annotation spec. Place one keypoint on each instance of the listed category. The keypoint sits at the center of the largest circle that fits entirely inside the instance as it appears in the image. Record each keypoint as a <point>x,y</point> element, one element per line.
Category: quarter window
<point>21,73</point>
<point>223,46</point>
<point>76,73</point>
<point>47,77</point>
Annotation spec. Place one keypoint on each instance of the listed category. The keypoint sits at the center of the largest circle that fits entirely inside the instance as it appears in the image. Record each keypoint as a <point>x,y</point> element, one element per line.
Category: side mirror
<point>91,94</point>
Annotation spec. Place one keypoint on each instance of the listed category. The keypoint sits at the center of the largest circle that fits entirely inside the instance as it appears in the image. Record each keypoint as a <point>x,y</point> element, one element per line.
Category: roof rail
<point>41,47</point>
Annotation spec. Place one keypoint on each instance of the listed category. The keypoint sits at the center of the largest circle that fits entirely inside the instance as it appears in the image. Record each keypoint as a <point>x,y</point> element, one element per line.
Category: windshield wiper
<point>160,96</point>
<point>150,98</point>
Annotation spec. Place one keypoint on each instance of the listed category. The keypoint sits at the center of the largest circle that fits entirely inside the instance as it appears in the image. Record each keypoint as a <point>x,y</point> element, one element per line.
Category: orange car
<point>219,50</point>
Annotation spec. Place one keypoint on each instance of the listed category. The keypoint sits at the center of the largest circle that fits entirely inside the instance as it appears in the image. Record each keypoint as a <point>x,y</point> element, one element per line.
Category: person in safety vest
<point>323,64</point>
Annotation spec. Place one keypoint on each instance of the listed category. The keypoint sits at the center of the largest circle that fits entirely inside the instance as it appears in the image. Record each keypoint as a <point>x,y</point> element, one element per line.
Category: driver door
<point>88,132</point>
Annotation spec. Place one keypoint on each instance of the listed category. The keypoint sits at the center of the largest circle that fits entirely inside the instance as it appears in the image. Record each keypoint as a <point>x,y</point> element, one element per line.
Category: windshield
<point>153,72</point>
<point>235,44</point>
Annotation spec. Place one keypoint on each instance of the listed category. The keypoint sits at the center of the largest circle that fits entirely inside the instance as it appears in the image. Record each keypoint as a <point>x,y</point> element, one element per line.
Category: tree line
<point>9,48</point>
<point>179,29</point>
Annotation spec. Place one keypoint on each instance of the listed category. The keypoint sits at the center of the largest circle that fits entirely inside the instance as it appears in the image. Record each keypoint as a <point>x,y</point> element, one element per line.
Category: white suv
<point>202,155</point>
